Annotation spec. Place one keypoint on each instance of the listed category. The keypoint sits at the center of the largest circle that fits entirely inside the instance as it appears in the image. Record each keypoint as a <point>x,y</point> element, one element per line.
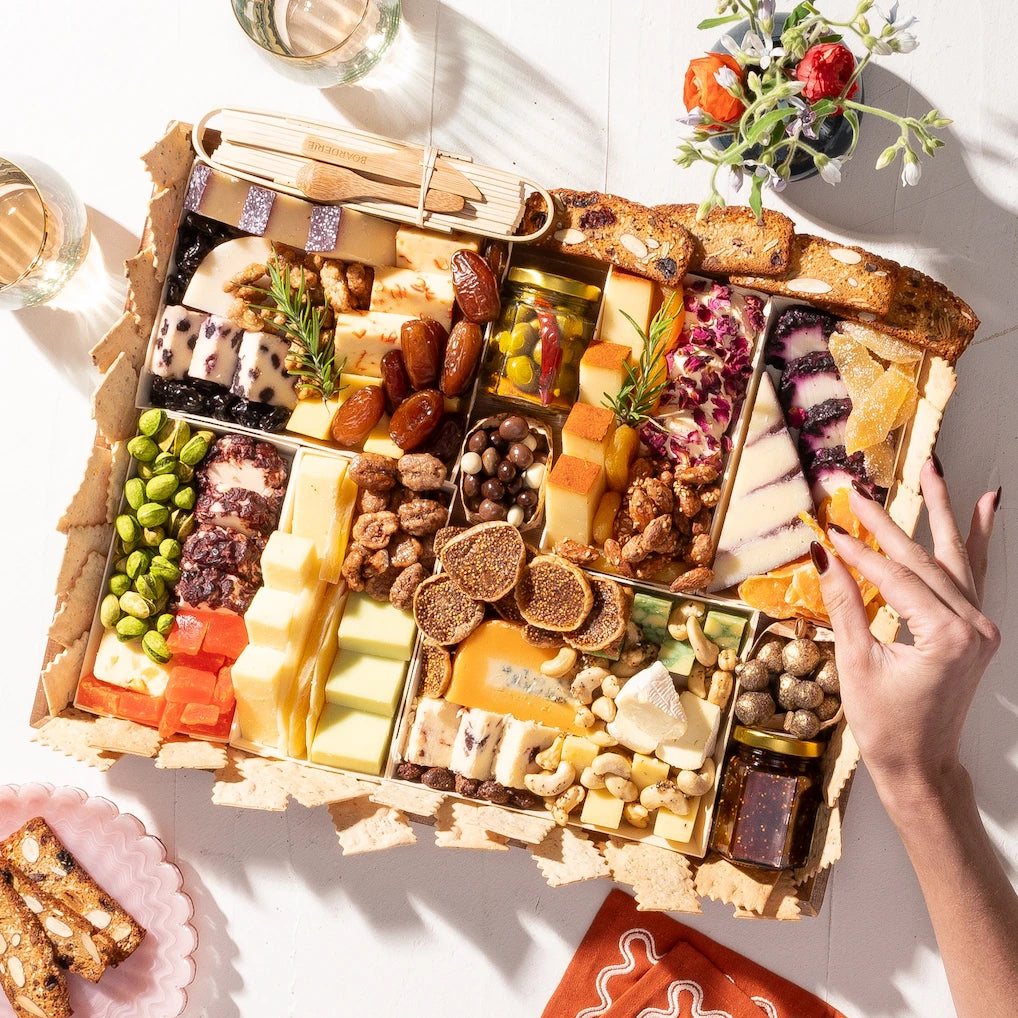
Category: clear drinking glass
<point>321,42</point>
<point>44,232</point>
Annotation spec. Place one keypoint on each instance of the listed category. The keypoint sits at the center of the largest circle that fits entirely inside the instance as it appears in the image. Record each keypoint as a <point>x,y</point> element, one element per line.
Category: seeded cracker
<point>113,401</point>
<point>315,786</point>
<point>251,782</point>
<point>122,338</point>
<point>69,733</point>
<point>74,617</point>
<point>169,159</point>
<point>364,826</point>
<point>192,754</point>
<point>115,735</point>
<point>145,287</point>
<point>486,560</point>
<point>60,677</point>
<point>460,829</point>
<point>720,880</point>
<point>885,624</point>
<point>80,542</point>
<point>839,762</point>
<point>826,847</point>
<point>416,800</point>
<point>554,594</point>
<point>531,830</point>
<point>919,439</point>
<point>443,613</point>
<point>88,506</point>
<point>161,229</point>
<point>904,507</point>
<point>661,879</point>
<point>568,856</point>
<point>782,902</point>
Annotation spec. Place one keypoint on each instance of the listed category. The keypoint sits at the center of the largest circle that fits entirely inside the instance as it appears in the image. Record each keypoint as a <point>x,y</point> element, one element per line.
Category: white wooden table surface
<point>574,94</point>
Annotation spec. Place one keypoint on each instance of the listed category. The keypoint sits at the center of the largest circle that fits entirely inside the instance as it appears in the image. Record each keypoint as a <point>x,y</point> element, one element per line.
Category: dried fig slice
<point>485,560</point>
<point>443,612</point>
<point>554,594</point>
<point>608,617</point>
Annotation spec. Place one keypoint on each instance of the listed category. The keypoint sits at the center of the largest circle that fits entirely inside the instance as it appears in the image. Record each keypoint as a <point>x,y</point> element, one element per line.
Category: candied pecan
<point>405,551</point>
<point>692,579</point>
<point>378,587</point>
<point>405,585</point>
<point>660,493</point>
<point>641,507</point>
<point>376,564</point>
<point>580,554</point>
<point>710,496</point>
<point>251,273</point>
<point>701,551</point>
<point>681,524</point>
<point>422,516</point>
<point>373,471</point>
<point>701,473</point>
<point>689,501</point>
<point>372,501</point>
<point>373,530</point>
<point>420,471</point>
<point>352,565</point>
<point>701,522</point>
<point>623,526</point>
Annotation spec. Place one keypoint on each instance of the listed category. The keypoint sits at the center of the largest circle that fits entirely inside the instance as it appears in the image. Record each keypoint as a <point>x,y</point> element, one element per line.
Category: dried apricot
<point>888,348</point>
<point>875,410</point>
<point>358,415</point>
<point>621,451</point>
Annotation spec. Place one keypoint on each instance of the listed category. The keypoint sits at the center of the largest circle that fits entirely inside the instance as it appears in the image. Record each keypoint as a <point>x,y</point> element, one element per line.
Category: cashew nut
<point>584,718</point>
<point>697,681</point>
<point>554,783</point>
<point>635,659</point>
<point>720,688</point>
<point>601,738</point>
<point>611,686</point>
<point>664,795</point>
<point>566,803</point>
<point>586,681</point>
<point>706,652</point>
<point>697,782</point>
<point>603,708</point>
<point>636,814</point>
<point>548,759</point>
<point>727,660</point>
<point>612,763</point>
<point>691,610</point>
<point>561,663</point>
<point>621,788</point>
<point>677,631</point>
<point>591,780</point>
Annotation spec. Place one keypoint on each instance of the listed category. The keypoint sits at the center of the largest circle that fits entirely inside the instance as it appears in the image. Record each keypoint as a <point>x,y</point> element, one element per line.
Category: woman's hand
<point>906,704</point>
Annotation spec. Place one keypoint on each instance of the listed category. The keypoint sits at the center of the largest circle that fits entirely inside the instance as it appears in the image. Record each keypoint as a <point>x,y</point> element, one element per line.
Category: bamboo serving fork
<point>371,173</point>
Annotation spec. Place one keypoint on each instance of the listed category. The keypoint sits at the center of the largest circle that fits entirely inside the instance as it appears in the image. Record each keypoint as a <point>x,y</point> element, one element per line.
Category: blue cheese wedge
<point>176,335</point>
<point>214,358</point>
<point>762,529</point>
<point>261,371</point>
<point>648,711</point>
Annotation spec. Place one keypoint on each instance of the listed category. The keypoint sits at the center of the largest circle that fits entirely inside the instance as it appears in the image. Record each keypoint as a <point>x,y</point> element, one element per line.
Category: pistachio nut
<point>152,537</point>
<point>134,492</point>
<point>164,463</point>
<point>151,586</point>
<point>181,436</point>
<point>134,604</point>
<point>170,549</point>
<point>154,644</point>
<point>165,569</point>
<point>120,563</point>
<point>145,471</point>
<point>152,514</point>
<point>137,563</point>
<point>184,498</point>
<point>161,488</point>
<point>130,628</point>
<point>143,449</point>
<point>181,524</point>
<point>120,583</point>
<point>194,452</point>
<point>127,528</point>
<point>109,611</point>
<point>185,473</point>
<point>164,623</point>
<point>151,422</point>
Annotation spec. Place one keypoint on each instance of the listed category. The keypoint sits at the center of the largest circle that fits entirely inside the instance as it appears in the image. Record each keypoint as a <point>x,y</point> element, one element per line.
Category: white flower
<point>734,178</point>
<point>765,9</point>
<point>830,169</point>
<point>731,45</point>
<point>760,51</point>
<point>774,180</point>
<point>690,122</point>
<point>911,171</point>
<point>903,42</point>
<point>725,77</point>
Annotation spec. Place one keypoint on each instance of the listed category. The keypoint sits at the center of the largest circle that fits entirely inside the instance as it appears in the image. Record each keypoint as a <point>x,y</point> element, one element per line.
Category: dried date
<point>422,341</point>
<point>475,287</point>
<point>462,353</point>
<point>414,421</point>
<point>358,415</point>
<point>395,381</point>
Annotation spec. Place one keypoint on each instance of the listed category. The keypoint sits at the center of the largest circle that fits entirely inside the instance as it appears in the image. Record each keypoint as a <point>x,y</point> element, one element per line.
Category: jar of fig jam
<point>533,354</point>
<point>768,801</point>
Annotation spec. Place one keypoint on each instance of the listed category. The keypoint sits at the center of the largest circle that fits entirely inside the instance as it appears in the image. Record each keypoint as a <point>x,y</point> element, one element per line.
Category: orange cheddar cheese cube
<point>572,491</point>
<point>587,432</point>
<point>626,295</point>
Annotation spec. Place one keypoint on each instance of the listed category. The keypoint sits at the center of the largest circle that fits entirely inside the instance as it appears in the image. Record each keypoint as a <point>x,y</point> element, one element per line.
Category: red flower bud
<point>703,91</point>
<point>825,70</point>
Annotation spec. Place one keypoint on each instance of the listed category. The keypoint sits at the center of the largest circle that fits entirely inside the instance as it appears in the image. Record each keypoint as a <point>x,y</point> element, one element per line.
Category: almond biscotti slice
<point>77,944</point>
<point>832,275</point>
<point>29,973</point>
<point>38,853</point>
<point>650,242</point>
<point>732,241</point>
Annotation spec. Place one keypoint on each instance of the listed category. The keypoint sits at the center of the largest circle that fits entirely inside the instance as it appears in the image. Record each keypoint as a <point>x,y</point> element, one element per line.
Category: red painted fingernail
<point>937,465</point>
<point>861,490</point>
<point>996,498</point>
<point>818,553</point>
<point>837,529</point>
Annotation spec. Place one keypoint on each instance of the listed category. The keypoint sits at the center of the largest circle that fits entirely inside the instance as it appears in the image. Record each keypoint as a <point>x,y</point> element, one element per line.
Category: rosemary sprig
<point>647,380</point>
<point>313,358</point>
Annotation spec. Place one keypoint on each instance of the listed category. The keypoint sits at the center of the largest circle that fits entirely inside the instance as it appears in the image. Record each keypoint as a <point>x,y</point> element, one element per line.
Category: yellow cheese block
<point>258,676</point>
<point>339,530</point>
<point>633,295</point>
<point>572,491</point>
<point>271,618</point>
<point>495,669</point>
<point>379,442</point>
<point>674,827</point>
<point>601,809</point>
<point>313,417</point>
<point>587,432</point>
<point>603,371</point>
<point>351,739</point>
<point>578,751</point>
<point>367,683</point>
<point>430,252</point>
<point>127,665</point>
<point>648,771</point>
<point>377,628</point>
<point>289,562</point>
<point>363,338</point>
<point>404,291</point>
<point>316,481</point>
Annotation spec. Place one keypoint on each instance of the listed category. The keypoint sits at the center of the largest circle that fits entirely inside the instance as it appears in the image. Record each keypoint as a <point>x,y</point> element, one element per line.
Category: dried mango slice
<point>859,371</point>
<point>875,411</point>
<point>879,462</point>
<point>886,347</point>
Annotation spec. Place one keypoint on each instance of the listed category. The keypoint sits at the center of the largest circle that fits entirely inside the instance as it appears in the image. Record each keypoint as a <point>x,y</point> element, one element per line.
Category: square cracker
<point>531,830</point>
<point>315,786</point>
<point>88,505</point>
<point>720,880</point>
<point>782,903</point>
<point>113,401</point>
<point>459,829</point>
<point>191,754</point>
<point>567,856</point>
<point>251,782</point>
<point>418,800</point>
<point>74,616</point>
<point>365,826</point>
<point>123,337</point>
<point>81,541</point>
<point>169,159</point>
<point>115,735</point>
<point>69,734</point>
<point>60,677</point>
<point>145,288</point>
<point>661,879</point>
<point>732,241</point>
<point>832,275</point>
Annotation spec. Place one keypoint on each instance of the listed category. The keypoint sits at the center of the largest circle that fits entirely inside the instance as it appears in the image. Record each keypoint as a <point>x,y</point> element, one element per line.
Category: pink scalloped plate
<point>132,866</point>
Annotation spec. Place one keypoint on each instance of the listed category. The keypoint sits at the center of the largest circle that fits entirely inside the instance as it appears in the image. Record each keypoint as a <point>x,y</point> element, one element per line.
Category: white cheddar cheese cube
<point>259,676</point>
<point>261,371</point>
<point>271,617</point>
<point>175,338</point>
<point>521,742</point>
<point>214,358</point>
<point>316,482</point>
<point>363,338</point>
<point>601,809</point>
<point>409,292</point>
<point>677,827</point>
<point>688,752</point>
<point>289,562</point>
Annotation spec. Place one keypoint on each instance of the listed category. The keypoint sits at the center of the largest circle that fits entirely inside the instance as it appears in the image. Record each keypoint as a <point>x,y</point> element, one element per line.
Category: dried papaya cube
<point>875,411</point>
<point>888,348</point>
<point>858,369</point>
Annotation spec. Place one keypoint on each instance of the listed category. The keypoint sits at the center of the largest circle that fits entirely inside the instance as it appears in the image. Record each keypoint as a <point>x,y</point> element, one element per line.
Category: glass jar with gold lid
<point>768,800</point>
<point>533,353</point>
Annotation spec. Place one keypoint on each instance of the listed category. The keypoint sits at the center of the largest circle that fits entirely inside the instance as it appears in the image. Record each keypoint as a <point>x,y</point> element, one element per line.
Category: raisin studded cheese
<point>215,354</point>
<point>261,371</point>
<point>176,336</point>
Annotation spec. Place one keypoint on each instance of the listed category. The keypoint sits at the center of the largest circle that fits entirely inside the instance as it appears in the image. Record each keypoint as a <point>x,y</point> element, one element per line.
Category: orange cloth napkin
<point>633,964</point>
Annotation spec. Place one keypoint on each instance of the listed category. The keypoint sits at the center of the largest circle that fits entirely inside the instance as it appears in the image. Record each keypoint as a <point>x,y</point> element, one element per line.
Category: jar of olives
<point>534,350</point>
<point>768,799</point>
